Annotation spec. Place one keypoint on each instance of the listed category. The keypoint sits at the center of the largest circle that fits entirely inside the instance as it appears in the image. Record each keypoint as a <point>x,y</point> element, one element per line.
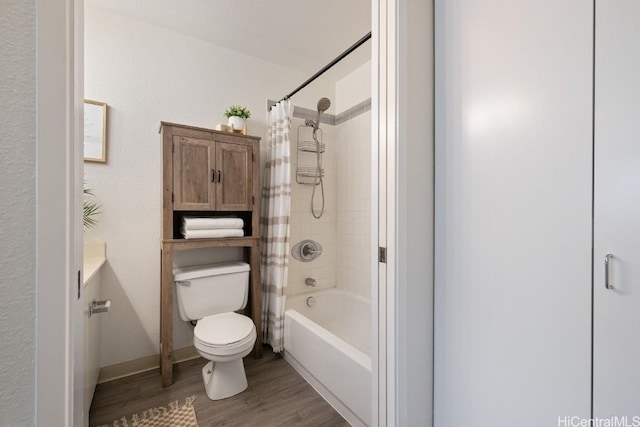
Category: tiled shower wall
<point>353,257</point>
<point>303,224</point>
<point>354,206</point>
<point>344,228</point>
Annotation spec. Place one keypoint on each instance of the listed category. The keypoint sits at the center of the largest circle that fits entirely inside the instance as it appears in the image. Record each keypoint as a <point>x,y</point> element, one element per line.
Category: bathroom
<point>198,81</point>
<point>500,302</point>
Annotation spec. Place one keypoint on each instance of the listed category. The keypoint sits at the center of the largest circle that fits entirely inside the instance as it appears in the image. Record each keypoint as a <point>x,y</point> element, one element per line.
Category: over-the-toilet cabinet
<point>207,173</point>
<point>213,172</point>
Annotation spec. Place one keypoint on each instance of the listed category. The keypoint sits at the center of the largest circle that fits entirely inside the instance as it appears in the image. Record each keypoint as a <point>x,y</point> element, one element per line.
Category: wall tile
<point>344,229</point>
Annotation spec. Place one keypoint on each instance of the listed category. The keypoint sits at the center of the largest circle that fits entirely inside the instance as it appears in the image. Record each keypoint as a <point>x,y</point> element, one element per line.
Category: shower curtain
<point>274,222</point>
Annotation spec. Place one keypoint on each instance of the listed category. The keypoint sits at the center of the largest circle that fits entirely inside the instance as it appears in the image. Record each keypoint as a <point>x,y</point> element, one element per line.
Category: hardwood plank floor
<point>277,396</point>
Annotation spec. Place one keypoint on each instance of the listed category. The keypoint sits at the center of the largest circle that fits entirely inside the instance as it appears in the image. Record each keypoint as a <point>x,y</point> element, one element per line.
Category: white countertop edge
<point>94,259</point>
<point>91,267</point>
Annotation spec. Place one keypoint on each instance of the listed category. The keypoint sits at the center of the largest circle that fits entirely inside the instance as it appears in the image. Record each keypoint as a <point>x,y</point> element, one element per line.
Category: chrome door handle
<point>607,284</point>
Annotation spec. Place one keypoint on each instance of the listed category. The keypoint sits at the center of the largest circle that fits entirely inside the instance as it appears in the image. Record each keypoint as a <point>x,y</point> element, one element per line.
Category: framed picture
<point>95,131</point>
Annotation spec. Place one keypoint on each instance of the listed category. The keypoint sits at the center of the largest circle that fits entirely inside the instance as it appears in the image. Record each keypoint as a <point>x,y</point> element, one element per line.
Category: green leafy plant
<point>237,110</point>
<point>90,209</point>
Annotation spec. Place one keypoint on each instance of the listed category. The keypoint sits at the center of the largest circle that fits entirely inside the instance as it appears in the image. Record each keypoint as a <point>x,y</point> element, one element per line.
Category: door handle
<point>219,176</point>
<point>213,175</point>
<point>607,283</point>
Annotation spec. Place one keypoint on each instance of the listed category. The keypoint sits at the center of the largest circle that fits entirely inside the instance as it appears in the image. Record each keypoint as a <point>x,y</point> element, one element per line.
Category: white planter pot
<point>237,122</point>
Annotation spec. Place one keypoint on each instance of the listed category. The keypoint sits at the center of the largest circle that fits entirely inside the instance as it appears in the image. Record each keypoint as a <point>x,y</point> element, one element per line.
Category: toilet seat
<point>224,334</point>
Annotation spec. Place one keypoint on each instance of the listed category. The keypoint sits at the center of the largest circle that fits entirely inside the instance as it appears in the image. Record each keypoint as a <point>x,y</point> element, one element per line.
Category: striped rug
<point>172,415</point>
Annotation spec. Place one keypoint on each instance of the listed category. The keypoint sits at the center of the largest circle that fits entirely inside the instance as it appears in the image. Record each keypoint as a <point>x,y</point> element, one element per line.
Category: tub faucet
<point>310,281</point>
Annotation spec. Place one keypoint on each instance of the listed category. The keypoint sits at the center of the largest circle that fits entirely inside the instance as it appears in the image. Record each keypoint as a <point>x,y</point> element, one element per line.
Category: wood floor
<point>277,396</point>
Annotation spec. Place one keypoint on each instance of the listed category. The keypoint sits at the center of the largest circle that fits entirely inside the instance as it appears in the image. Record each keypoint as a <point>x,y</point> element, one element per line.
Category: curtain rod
<point>329,65</point>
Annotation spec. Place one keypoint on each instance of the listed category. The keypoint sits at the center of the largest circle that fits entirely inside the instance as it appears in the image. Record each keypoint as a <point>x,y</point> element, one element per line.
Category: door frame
<point>395,122</point>
<point>403,124</point>
<point>382,374</point>
<point>59,110</point>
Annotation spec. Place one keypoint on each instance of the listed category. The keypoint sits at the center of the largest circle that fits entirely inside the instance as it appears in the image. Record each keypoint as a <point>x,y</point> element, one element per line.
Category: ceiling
<point>302,35</point>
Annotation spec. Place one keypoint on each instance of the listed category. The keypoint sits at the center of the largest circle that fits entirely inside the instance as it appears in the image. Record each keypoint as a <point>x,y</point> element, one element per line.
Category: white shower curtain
<point>274,221</point>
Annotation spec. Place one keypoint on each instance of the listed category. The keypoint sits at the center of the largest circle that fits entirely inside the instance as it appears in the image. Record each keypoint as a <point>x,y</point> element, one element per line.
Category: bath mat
<point>172,415</point>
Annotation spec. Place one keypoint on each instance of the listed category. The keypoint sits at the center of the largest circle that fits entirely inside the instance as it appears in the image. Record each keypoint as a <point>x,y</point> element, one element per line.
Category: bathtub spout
<point>310,281</point>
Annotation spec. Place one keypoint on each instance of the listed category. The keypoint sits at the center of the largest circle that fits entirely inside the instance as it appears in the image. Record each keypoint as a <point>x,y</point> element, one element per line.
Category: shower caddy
<point>306,172</point>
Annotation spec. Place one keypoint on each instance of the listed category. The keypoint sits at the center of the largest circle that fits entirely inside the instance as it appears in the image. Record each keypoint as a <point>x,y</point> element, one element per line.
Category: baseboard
<point>144,364</point>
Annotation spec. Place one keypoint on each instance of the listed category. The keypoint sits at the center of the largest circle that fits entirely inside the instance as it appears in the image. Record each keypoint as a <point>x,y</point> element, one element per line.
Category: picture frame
<point>95,131</point>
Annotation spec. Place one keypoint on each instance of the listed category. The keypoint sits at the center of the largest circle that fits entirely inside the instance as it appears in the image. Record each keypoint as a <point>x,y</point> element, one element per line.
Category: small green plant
<point>237,110</point>
<point>90,209</point>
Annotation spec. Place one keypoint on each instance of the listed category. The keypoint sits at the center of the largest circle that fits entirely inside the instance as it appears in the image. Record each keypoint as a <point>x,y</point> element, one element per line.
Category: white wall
<point>353,261</point>
<point>18,207</point>
<point>354,88</point>
<point>148,74</point>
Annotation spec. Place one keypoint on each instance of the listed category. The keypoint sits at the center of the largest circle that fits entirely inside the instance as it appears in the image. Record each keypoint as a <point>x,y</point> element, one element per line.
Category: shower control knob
<point>306,250</point>
<point>311,250</point>
<point>310,281</point>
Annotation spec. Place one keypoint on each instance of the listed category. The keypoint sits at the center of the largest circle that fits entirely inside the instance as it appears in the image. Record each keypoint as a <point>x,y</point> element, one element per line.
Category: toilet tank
<point>211,289</point>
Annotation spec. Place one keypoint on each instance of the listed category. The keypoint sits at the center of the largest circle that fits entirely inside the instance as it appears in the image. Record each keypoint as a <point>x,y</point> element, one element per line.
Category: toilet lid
<point>223,329</point>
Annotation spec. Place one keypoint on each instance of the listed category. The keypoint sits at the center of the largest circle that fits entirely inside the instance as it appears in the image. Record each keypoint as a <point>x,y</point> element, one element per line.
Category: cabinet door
<point>616,340</point>
<point>193,166</point>
<point>235,176</point>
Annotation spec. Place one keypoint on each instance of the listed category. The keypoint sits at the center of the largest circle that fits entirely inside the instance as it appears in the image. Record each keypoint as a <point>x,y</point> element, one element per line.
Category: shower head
<point>323,105</point>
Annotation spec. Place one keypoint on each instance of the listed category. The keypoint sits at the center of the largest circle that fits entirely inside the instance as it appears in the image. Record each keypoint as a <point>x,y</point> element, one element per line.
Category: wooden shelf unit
<point>207,172</point>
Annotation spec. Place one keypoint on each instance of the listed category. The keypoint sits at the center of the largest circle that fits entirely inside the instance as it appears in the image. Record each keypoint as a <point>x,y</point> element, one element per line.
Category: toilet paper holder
<point>99,307</point>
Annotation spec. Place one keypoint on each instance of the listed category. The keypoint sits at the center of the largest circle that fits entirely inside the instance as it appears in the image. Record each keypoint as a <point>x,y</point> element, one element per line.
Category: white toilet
<point>211,294</point>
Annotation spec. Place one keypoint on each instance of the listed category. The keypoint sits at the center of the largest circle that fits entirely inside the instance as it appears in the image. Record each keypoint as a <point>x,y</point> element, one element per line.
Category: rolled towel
<point>209,234</point>
<point>199,223</point>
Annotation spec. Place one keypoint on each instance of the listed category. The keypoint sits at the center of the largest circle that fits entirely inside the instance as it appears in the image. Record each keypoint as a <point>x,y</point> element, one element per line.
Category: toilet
<point>210,295</point>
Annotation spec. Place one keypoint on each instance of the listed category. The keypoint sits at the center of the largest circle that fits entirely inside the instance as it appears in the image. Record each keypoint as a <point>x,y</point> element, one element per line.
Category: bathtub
<point>329,345</point>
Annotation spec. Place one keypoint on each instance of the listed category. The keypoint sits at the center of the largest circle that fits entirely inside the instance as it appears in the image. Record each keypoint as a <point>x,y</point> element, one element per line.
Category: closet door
<point>616,357</point>
<point>513,212</point>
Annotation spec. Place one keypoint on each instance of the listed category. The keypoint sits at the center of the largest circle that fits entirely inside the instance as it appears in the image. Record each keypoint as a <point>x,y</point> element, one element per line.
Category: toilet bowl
<point>224,339</point>
<point>211,295</point>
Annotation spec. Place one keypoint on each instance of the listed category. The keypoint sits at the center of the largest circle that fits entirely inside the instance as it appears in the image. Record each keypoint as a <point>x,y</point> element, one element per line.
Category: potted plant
<point>90,209</point>
<point>237,116</point>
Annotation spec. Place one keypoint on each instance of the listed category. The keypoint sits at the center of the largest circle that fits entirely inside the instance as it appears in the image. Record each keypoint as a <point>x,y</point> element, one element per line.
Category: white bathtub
<point>328,344</point>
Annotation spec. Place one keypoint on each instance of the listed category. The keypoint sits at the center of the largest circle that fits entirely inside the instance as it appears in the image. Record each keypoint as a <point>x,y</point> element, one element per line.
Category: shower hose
<point>317,178</point>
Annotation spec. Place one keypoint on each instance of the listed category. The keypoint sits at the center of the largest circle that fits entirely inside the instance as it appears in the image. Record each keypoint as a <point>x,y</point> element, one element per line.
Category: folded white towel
<point>199,223</point>
<point>208,234</point>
